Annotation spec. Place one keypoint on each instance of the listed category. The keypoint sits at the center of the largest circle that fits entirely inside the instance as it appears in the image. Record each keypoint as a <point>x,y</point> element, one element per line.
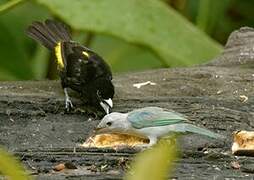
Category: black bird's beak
<point>107,104</point>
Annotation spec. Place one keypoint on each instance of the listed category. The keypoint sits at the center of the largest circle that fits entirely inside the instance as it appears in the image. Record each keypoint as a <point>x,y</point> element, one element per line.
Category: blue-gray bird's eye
<point>109,123</point>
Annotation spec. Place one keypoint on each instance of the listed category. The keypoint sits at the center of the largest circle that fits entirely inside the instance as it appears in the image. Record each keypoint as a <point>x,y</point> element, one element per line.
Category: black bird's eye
<point>109,123</point>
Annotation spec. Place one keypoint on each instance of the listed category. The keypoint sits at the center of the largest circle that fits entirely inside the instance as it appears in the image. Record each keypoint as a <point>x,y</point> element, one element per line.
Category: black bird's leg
<point>68,103</point>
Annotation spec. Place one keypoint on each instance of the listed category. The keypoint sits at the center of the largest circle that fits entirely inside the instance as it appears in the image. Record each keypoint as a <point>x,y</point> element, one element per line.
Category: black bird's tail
<point>49,33</point>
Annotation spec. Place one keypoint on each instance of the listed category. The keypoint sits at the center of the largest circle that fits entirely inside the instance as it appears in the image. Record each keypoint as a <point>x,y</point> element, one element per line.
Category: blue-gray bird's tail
<point>202,131</point>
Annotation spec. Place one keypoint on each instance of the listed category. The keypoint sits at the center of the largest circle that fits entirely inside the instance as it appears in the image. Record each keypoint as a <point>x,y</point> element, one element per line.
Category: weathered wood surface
<point>33,124</point>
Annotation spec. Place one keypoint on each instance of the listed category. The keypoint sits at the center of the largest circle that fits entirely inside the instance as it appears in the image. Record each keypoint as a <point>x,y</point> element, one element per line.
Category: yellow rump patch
<point>85,53</point>
<point>58,52</point>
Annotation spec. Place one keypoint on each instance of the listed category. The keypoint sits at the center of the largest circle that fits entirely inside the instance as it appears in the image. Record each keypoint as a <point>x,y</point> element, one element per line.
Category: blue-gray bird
<point>150,122</point>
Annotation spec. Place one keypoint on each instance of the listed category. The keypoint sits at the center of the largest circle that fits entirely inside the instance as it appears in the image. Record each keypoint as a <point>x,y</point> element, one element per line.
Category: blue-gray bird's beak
<point>107,104</point>
<point>96,130</point>
<point>100,130</point>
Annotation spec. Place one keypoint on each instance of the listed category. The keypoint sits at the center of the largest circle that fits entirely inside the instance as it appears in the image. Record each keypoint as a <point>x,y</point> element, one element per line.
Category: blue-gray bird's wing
<point>154,116</point>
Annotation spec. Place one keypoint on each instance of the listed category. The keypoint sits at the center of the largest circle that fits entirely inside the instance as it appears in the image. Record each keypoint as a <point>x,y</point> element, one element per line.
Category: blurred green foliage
<point>11,168</point>
<point>156,162</point>
<point>131,35</point>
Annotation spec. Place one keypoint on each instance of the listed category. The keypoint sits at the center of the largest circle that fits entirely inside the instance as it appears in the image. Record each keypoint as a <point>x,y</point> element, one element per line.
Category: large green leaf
<point>149,23</point>
<point>16,48</point>
<point>12,55</point>
<point>124,56</point>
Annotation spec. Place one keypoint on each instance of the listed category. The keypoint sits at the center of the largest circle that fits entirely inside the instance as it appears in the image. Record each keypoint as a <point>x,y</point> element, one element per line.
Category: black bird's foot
<point>68,104</point>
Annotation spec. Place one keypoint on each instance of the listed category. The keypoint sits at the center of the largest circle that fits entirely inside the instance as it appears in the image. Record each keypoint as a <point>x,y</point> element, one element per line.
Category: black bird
<point>80,68</point>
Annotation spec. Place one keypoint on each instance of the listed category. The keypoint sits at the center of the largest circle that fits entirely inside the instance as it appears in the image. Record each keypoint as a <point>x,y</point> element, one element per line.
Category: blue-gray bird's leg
<point>68,103</point>
<point>152,141</point>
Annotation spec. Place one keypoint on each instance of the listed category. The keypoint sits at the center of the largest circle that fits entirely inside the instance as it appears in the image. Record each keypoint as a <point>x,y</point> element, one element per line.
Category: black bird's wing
<point>83,65</point>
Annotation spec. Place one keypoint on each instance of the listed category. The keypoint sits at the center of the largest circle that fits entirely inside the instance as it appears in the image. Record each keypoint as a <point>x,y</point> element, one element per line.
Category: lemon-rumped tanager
<point>80,69</point>
<point>152,123</point>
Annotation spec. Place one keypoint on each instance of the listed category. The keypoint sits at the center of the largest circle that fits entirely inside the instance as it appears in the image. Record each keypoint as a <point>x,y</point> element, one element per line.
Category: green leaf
<point>11,168</point>
<point>15,53</point>
<point>155,163</point>
<point>6,75</point>
<point>40,63</point>
<point>148,23</point>
<point>12,54</point>
<point>10,4</point>
<point>124,56</point>
<point>210,12</point>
